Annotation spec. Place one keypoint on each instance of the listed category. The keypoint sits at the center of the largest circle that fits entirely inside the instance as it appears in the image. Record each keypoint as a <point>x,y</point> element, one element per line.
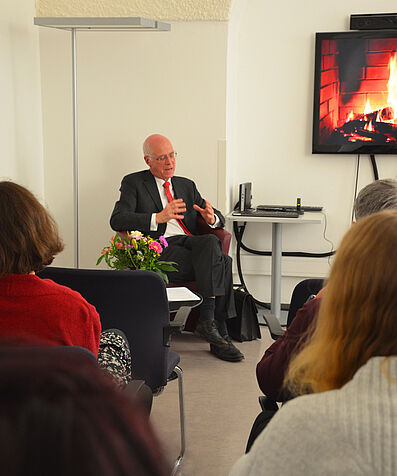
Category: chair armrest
<point>177,325</point>
<point>274,326</point>
<point>224,236</point>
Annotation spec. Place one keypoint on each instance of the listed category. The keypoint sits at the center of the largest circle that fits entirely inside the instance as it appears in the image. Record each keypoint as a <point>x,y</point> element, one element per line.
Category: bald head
<point>154,142</point>
<point>159,156</point>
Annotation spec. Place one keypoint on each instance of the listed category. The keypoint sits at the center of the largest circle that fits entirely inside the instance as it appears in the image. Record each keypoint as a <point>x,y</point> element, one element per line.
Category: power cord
<point>296,254</point>
<point>355,185</point>
<point>239,232</point>
<point>374,167</point>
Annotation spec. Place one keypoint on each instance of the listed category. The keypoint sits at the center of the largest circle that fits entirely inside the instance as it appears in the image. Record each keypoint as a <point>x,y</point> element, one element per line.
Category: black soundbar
<point>373,21</point>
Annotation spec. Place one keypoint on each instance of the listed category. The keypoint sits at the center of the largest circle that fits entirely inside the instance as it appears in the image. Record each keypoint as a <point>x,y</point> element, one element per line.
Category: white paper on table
<point>181,294</point>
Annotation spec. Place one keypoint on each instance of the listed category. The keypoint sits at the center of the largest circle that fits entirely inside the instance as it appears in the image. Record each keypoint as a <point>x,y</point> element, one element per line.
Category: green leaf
<point>166,267</point>
<point>163,275</point>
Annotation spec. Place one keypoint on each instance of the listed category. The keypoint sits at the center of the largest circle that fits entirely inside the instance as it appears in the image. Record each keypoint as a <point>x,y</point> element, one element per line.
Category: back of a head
<point>29,237</point>
<point>358,313</point>
<point>60,415</point>
<point>375,197</point>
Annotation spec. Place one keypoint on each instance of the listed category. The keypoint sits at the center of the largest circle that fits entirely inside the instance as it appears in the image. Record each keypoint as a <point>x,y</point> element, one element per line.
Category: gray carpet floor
<point>221,404</point>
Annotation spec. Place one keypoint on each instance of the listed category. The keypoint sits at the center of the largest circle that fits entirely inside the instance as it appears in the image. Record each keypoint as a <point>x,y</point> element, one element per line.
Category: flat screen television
<point>355,93</point>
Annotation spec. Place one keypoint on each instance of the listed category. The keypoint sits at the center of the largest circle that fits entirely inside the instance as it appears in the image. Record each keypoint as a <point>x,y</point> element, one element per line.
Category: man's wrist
<point>216,222</point>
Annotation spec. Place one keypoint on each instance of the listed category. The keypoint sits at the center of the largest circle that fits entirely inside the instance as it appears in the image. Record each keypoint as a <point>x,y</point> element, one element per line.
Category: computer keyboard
<point>289,208</point>
<point>267,213</point>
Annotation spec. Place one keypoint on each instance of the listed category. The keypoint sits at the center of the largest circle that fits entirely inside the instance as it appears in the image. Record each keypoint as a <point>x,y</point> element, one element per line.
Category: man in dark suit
<point>157,203</point>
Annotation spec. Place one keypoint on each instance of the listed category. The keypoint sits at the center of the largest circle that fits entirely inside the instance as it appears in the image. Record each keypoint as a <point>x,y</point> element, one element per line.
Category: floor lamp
<point>75,24</point>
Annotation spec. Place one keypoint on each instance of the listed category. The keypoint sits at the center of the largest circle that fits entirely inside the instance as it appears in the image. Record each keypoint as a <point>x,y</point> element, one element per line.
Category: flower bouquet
<point>136,251</point>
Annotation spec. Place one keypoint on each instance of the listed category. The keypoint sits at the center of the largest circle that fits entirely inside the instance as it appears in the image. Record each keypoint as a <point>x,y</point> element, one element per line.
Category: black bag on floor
<point>245,326</point>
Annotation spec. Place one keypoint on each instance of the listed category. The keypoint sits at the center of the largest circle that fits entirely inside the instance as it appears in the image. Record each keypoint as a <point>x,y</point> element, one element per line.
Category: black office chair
<point>135,302</point>
<point>302,293</point>
<point>58,352</point>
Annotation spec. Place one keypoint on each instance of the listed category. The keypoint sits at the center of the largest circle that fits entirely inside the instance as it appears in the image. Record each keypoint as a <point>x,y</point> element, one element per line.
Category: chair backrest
<point>57,351</point>
<point>133,301</point>
<point>302,292</point>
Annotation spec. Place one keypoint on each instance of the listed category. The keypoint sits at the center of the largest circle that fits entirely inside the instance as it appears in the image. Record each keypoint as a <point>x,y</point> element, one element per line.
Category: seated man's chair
<point>136,303</point>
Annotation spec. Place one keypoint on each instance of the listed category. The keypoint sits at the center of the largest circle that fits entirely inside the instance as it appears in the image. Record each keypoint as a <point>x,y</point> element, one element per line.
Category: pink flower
<point>163,241</point>
<point>156,247</point>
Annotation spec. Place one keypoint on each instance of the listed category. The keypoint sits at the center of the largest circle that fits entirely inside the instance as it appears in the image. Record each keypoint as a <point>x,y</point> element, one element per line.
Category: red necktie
<point>166,186</point>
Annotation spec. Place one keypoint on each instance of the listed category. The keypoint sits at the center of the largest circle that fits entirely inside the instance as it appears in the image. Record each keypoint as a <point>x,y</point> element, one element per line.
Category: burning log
<point>369,130</point>
<point>380,115</point>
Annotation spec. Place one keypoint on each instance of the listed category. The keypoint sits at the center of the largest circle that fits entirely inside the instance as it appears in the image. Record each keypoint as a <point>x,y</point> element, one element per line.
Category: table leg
<point>276,269</point>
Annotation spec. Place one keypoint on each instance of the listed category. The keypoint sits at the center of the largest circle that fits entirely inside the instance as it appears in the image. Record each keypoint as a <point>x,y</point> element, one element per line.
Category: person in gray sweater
<point>346,424</point>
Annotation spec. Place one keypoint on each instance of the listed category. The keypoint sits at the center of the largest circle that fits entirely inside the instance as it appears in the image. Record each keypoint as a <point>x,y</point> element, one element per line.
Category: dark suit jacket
<point>139,199</point>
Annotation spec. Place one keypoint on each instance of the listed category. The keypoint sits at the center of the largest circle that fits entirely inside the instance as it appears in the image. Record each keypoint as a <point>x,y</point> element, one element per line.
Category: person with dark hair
<point>346,421</point>
<point>31,307</point>
<point>60,414</point>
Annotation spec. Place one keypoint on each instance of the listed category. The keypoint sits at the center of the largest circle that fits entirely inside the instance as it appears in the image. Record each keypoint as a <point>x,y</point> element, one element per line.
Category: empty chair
<point>135,302</point>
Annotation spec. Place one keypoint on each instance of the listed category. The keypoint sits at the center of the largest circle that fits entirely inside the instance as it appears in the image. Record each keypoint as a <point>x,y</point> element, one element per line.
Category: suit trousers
<point>200,259</point>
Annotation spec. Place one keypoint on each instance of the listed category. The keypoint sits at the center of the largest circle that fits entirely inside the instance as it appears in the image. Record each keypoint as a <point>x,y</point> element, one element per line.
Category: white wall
<point>176,83</point>
<point>270,88</point>
<point>21,146</point>
<point>130,85</point>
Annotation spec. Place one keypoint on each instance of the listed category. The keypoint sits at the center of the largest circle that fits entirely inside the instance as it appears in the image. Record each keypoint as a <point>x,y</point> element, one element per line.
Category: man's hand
<point>207,213</point>
<point>172,210</point>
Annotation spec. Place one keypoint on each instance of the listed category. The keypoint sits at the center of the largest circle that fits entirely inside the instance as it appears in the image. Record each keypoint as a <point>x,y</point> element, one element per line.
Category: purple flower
<point>163,241</point>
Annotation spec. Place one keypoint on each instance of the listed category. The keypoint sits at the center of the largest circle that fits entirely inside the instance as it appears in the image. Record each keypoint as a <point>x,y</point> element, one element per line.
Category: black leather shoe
<point>208,331</point>
<point>232,346</point>
<point>229,353</point>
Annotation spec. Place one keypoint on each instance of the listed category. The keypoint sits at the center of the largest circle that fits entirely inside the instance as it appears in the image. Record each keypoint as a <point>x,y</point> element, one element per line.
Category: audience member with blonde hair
<point>347,424</point>
<point>270,371</point>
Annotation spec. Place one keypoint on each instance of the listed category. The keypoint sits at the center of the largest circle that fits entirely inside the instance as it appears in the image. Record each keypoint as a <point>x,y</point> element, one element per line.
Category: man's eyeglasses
<point>162,158</point>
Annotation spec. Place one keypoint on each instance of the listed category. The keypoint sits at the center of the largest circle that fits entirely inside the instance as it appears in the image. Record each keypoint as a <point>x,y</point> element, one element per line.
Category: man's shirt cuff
<point>153,224</point>
<point>216,224</point>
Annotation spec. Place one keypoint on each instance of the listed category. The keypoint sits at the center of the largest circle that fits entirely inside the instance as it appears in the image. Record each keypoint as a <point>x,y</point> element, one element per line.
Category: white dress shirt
<point>173,228</point>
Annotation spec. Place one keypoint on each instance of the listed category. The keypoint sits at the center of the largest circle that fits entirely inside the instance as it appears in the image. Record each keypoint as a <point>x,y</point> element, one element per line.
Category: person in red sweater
<point>31,307</point>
